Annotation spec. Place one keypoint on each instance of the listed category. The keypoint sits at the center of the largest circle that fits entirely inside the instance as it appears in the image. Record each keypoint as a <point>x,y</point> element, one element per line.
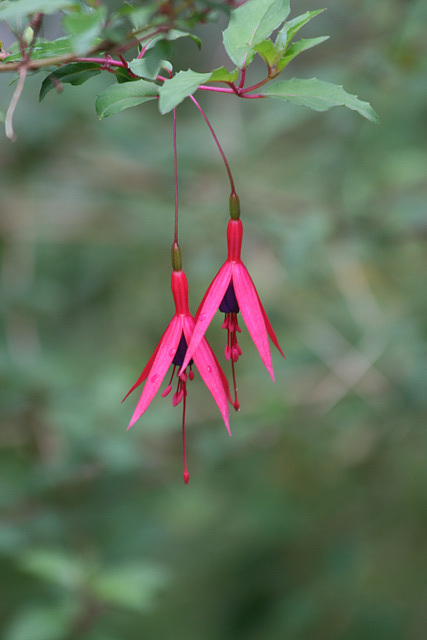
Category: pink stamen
<point>167,391</point>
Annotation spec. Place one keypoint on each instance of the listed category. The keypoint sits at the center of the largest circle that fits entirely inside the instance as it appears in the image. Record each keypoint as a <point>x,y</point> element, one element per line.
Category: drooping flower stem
<point>220,149</point>
<point>175,172</point>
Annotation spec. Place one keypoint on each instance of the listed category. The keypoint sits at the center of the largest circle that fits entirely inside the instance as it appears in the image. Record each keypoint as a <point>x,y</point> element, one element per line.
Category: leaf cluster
<point>135,44</point>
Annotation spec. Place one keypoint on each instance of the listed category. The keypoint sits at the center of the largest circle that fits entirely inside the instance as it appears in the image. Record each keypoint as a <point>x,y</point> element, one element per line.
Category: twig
<point>22,73</point>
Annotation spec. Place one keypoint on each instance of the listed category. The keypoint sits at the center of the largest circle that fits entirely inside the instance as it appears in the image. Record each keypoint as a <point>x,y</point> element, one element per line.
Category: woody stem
<point>220,149</point>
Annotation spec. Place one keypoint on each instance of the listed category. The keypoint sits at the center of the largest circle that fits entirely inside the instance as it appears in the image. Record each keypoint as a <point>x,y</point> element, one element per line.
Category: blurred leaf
<point>318,95</point>
<point>122,96</point>
<point>175,90</point>
<point>249,25</point>
<point>13,10</point>
<point>139,16</point>
<point>60,568</point>
<point>132,587</point>
<point>85,28</point>
<point>117,28</point>
<point>45,49</point>
<point>75,74</point>
<point>41,623</point>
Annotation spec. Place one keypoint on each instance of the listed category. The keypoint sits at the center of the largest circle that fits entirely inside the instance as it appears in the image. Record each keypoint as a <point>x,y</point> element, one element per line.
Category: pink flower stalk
<point>231,291</point>
<point>171,350</point>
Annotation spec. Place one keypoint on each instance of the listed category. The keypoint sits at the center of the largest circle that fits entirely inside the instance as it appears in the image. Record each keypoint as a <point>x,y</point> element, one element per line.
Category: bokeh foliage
<point>311,521</point>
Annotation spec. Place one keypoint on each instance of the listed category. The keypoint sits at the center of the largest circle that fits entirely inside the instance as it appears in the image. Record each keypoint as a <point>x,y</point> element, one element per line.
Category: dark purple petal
<point>180,353</point>
<point>229,302</point>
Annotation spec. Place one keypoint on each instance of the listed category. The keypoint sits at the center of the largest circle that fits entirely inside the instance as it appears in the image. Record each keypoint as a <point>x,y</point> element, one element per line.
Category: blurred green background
<point>310,523</point>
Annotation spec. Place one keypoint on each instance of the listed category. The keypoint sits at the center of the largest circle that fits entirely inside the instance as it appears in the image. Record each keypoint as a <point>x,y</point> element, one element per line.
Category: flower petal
<point>270,329</point>
<point>165,353</point>
<point>210,371</point>
<point>206,312</point>
<point>222,375</point>
<point>252,315</point>
<point>146,369</point>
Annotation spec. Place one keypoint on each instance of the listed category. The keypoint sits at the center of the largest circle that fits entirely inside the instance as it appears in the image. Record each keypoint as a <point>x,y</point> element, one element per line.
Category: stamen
<point>168,389</point>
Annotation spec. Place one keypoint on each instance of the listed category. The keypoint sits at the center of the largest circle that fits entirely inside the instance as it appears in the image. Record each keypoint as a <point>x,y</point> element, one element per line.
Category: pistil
<point>232,351</point>
<point>181,391</point>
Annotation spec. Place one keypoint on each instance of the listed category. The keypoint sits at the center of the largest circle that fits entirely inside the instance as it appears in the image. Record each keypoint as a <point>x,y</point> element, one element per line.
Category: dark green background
<point>310,523</point>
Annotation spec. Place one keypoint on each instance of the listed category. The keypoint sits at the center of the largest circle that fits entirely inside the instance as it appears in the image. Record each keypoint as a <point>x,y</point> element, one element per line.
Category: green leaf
<point>122,75</point>
<point>18,9</point>
<point>318,95</point>
<point>153,60</point>
<point>85,29</point>
<point>175,90</point>
<point>75,73</point>
<point>249,25</point>
<point>267,51</point>
<point>296,48</point>
<point>45,49</point>
<point>122,96</point>
<point>291,28</point>
<point>222,75</point>
<point>170,36</point>
<point>146,67</point>
<point>174,34</point>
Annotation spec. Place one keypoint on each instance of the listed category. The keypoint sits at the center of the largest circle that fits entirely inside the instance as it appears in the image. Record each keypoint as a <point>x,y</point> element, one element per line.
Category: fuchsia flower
<point>231,291</point>
<point>172,350</point>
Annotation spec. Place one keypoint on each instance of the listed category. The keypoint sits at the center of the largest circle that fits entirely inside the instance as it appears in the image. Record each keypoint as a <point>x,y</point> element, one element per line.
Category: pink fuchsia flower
<point>231,291</point>
<point>171,350</point>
